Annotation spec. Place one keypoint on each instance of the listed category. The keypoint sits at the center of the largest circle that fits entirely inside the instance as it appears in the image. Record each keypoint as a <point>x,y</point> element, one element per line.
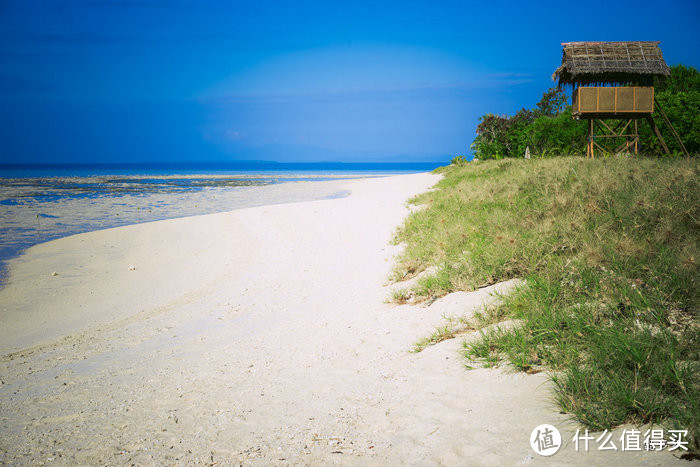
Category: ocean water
<point>42,203</point>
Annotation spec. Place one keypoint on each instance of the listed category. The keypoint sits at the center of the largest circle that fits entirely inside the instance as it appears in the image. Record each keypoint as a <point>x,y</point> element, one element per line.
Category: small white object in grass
<point>132,268</point>
<point>54,273</point>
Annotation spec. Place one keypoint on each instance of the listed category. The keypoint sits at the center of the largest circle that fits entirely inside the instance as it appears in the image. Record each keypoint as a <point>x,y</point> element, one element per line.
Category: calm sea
<point>42,203</point>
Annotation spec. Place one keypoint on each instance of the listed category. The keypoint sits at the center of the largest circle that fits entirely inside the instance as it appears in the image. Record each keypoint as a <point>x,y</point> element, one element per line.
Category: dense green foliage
<point>609,250</point>
<point>679,97</point>
<point>458,160</point>
<point>549,129</point>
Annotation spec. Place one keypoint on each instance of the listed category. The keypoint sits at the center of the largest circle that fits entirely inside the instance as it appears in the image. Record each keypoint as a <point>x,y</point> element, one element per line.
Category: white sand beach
<point>259,336</point>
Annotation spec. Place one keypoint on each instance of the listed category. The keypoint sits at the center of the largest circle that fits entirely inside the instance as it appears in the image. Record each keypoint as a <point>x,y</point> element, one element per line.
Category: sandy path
<point>258,336</point>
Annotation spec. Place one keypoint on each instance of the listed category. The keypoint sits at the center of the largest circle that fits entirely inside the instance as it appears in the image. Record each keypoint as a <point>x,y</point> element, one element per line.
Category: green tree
<point>556,135</point>
<point>490,137</point>
<point>679,96</point>
<point>683,79</point>
<point>509,136</point>
<point>553,103</point>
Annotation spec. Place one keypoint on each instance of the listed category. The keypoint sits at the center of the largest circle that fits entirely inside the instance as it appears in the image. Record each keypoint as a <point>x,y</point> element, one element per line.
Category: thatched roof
<point>610,62</point>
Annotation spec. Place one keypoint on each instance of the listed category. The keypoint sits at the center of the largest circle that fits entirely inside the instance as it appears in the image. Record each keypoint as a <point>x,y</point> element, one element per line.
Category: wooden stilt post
<point>657,132</point>
<point>636,138</point>
<point>590,138</point>
<point>670,127</point>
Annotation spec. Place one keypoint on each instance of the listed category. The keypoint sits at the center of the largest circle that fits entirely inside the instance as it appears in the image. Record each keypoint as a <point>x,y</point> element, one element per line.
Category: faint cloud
<point>363,93</point>
<point>234,135</point>
<point>511,79</point>
<point>358,68</point>
<point>509,75</point>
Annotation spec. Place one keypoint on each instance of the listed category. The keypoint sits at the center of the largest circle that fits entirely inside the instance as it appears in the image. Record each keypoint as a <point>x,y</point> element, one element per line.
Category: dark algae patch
<point>609,251</point>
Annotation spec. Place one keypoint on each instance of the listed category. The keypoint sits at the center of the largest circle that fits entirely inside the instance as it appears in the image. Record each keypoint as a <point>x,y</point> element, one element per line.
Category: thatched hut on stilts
<point>614,81</point>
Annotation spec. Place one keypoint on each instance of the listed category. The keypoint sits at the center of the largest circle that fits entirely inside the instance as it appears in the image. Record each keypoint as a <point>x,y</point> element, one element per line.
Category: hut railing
<point>610,101</point>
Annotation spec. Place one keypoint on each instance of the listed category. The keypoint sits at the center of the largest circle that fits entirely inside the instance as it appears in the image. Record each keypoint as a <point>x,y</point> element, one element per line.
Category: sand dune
<point>259,336</point>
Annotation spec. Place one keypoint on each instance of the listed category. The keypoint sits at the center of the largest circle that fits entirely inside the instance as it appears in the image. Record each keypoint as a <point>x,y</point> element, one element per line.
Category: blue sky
<point>163,81</point>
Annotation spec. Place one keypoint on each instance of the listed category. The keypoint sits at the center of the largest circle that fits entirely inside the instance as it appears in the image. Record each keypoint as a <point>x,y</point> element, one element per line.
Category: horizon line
<point>247,162</point>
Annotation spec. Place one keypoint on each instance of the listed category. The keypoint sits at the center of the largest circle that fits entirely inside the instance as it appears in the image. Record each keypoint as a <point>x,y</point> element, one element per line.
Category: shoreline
<point>74,210</point>
<point>258,336</point>
<point>34,264</point>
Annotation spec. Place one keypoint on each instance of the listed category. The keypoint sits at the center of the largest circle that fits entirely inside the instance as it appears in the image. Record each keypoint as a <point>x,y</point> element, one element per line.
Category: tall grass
<point>609,250</point>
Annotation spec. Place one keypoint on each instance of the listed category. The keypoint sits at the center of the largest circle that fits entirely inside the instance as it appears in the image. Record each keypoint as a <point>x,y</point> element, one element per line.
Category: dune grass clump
<point>453,327</point>
<point>609,250</point>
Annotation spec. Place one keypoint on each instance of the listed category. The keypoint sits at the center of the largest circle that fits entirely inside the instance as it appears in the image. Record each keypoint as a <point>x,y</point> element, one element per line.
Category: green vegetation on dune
<point>548,129</point>
<point>609,251</point>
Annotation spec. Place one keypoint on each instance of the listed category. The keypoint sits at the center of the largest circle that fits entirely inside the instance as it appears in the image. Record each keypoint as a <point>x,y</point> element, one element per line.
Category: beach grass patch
<point>609,250</point>
<point>453,327</point>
